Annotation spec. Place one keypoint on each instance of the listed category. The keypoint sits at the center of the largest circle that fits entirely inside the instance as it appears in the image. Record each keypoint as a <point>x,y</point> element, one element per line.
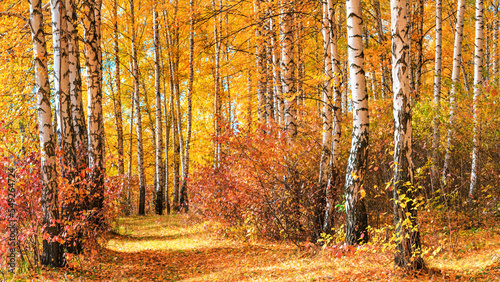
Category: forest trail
<point>176,248</point>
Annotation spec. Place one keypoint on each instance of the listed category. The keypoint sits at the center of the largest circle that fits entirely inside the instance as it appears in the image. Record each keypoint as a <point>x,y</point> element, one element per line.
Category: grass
<point>175,248</point>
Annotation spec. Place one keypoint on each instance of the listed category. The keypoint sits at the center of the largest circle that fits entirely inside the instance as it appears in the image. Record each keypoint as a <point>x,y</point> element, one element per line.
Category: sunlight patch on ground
<point>174,248</point>
<point>153,233</point>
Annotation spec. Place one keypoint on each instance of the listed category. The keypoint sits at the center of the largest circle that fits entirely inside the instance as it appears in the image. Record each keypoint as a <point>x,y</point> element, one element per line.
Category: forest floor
<point>176,248</point>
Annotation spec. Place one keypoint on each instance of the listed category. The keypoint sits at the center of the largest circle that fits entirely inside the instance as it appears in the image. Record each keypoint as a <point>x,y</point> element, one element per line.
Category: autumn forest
<point>249,140</point>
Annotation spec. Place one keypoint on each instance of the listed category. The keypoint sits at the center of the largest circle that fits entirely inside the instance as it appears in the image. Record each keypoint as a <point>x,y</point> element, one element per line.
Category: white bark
<point>437,91</point>
<point>217,96</point>
<point>52,251</point>
<point>75,80</point>
<point>405,216</point>
<point>62,86</point>
<point>184,200</point>
<point>160,173</point>
<point>140,144</point>
<point>358,157</point>
<point>325,163</point>
<point>336,83</point>
<point>94,110</point>
<point>288,69</point>
<point>260,58</point>
<point>478,84</point>
<point>278,89</point>
<point>117,100</point>
<point>455,81</point>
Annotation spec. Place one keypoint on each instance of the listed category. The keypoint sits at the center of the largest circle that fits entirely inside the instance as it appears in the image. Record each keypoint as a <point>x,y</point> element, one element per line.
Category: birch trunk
<point>268,63</point>
<point>75,90</point>
<point>419,43</point>
<point>128,209</point>
<point>62,85</point>
<point>288,70</point>
<point>357,220</point>
<point>278,90</point>
<point>178,124</point>
<point>299,51</point>
<point>270,99</point>
<point>62,88</point>
<point>464,75</point>
<point>217,97</point>
<point>167,141</point>
<point>337,112</point>
<point>455,81</point>
<point>52,250</point>
<point>140,145</point>
<point>325,167</point>
<point>437,93</point>
<point>184,200</point>
<point>94,110</point>
<point>160,182</point>
<point>175,154</point>
<point>260,58</point>
<point>97,15</point>
<point>408,253</point>
<point>478,84</point>
<point>174,128</point>
<point>167,136</point>
<point>117,101</point>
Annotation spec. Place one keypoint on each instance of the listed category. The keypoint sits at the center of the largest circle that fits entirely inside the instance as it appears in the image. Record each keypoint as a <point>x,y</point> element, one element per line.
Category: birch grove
<point>304,122</point>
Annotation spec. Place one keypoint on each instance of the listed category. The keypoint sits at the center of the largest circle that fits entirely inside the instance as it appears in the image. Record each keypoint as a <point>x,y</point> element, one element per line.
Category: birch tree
<point>94,110</point>
<point>357,220</point>
<point>159,172</point>
<point>140,145</point>
<point>128,208</point>
<point>337,112</point>
<point>177,108</point>
<point>325,169</point>
<point>328,164</point>
<point>405,214</point>
<point>75,90</point>
<point>437,92</point>
<point>260,58</point>
<point>62,88</point>
<point>185,171</point>
<point>217,96</point>
<point>278,90</point>
<point>117,100</point>
<point>478,83</point>
<point>455,81</point>
<point>270,99</point>
<point>167,139</point>
<point>288,69</point>
<point>52,253</point>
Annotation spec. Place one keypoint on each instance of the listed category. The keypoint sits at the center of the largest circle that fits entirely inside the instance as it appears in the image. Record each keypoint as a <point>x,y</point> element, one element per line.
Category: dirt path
<point>172,248</point>
<point>154,248</point>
